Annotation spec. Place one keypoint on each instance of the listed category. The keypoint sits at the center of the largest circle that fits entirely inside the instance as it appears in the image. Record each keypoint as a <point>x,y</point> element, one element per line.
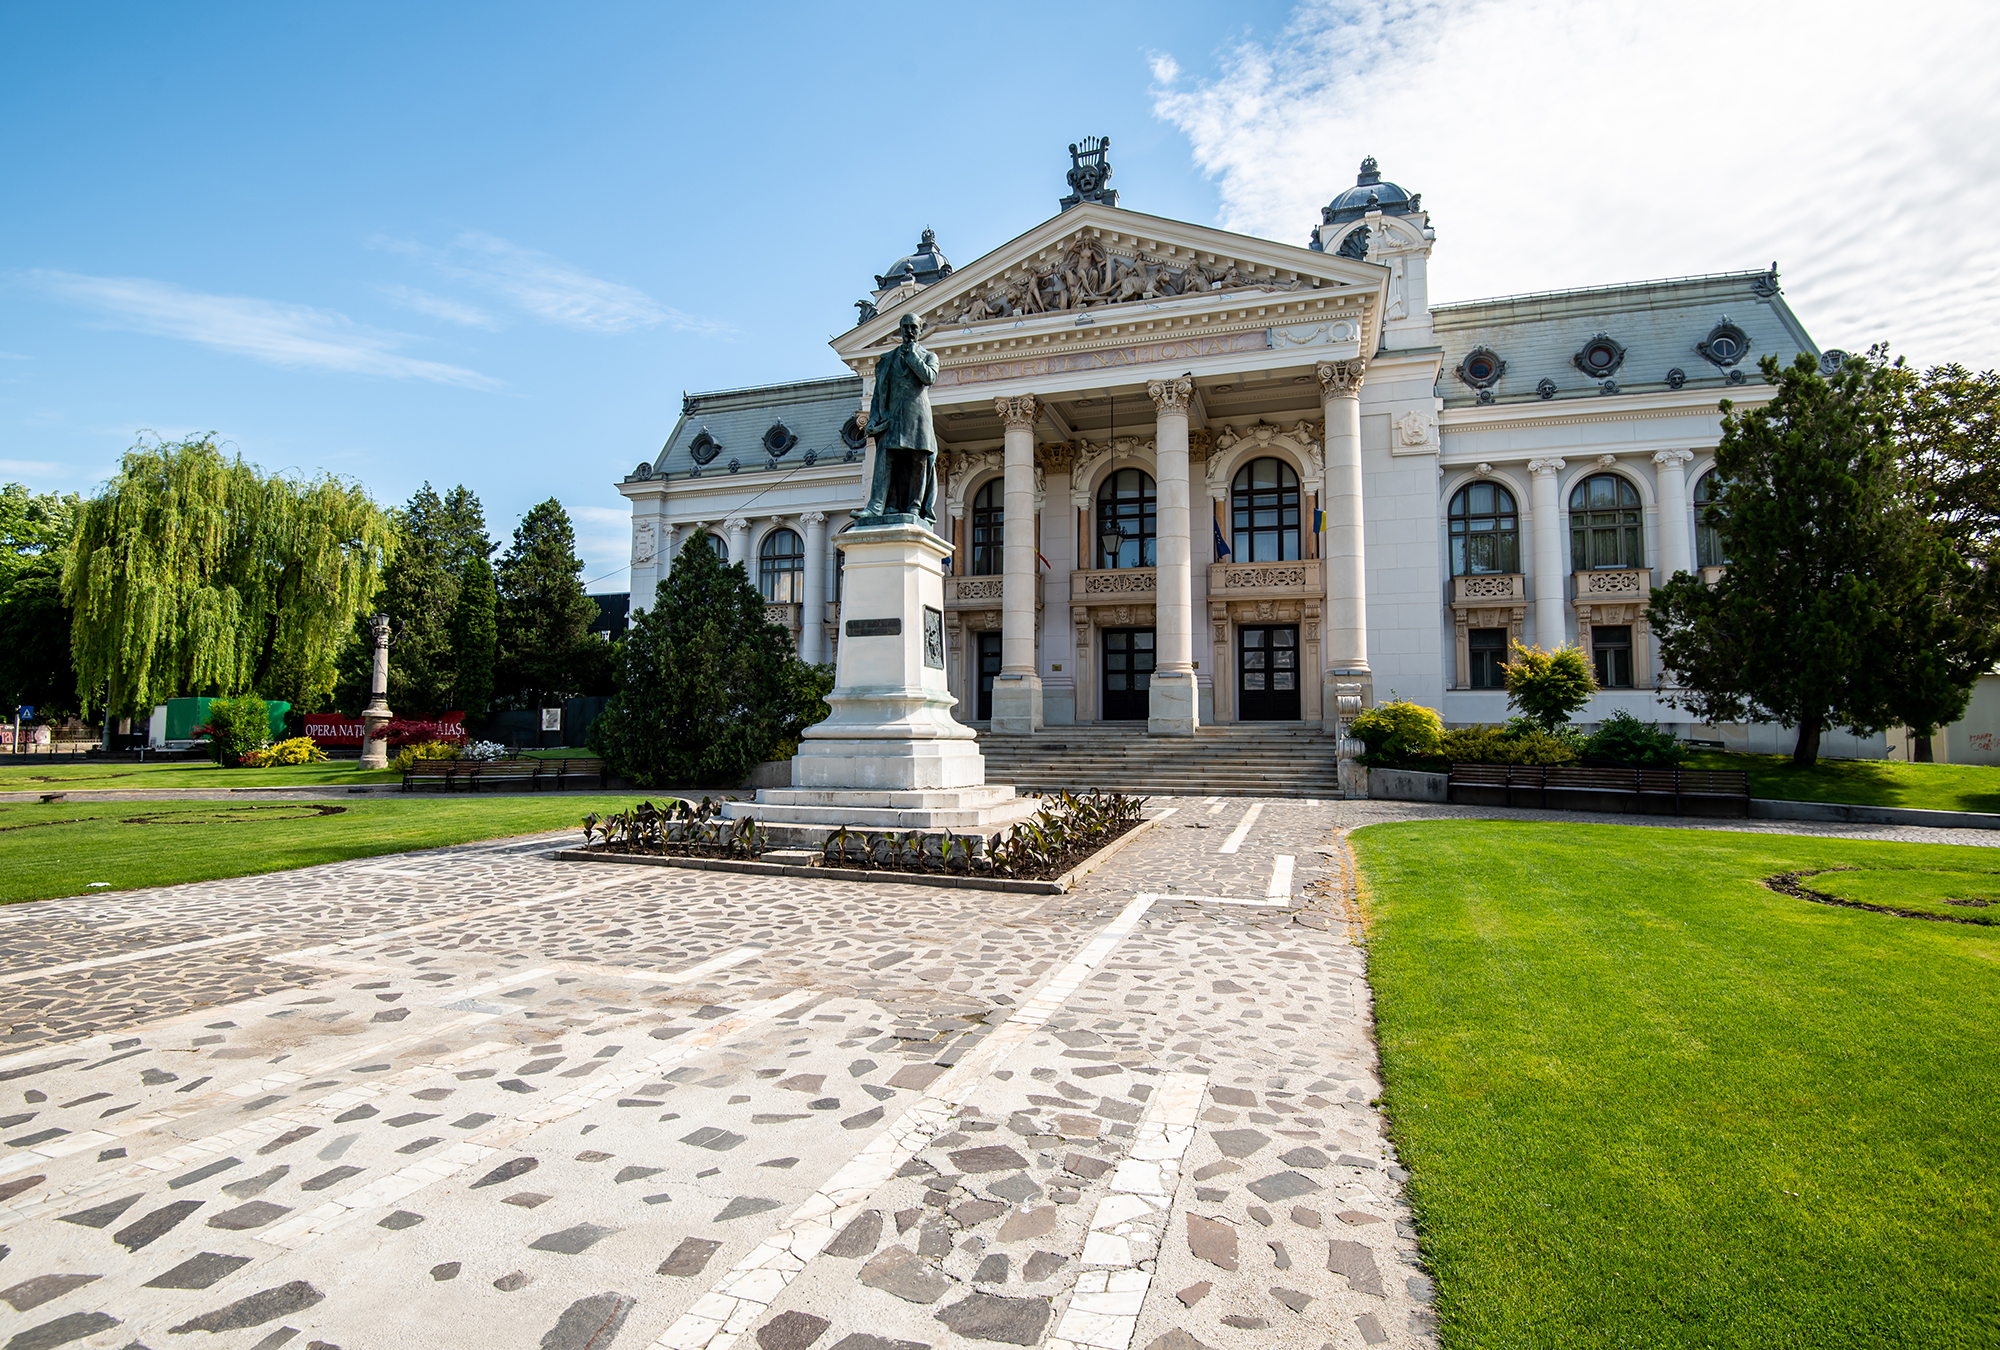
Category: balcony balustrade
<point>1265,580</point>
<point>1490,588</point>
<point>1614,584</point>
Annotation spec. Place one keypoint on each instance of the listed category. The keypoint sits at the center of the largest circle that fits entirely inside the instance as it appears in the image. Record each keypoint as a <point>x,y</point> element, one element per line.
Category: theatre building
<point>1193,478</point>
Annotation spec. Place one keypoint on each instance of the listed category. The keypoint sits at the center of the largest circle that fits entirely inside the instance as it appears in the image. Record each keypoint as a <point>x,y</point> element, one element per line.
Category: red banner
<point>340,729</point>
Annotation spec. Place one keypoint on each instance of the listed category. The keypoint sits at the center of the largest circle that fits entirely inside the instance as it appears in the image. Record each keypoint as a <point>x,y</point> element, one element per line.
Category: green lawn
<point>1648,1102</point>
<point>181,774</point>
<point>1864,782</point>
<point>60,848</point>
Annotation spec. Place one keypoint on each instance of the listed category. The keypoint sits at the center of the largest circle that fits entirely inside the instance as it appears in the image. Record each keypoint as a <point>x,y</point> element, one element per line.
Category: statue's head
<point>910,327</point>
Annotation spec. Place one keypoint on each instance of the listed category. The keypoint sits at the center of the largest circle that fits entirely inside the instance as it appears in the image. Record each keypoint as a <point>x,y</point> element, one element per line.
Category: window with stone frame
<point>1611,652</point>
<point>781,567</point>
<point>1128,506</point>
<point>720,546</point>
<point>1604,524</point>
<point>1264,505</point>
<point>1707,541</point>
<point>1485,531</point>
<point>989,520</point>
<point>1487,648</point>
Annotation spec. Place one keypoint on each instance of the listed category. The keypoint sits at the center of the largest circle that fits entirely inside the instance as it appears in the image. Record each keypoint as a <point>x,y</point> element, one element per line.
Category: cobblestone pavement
<point>475,1097</point>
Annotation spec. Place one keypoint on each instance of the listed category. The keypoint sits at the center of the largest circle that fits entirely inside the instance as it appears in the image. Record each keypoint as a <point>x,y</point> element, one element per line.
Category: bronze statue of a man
<point>899,419</point>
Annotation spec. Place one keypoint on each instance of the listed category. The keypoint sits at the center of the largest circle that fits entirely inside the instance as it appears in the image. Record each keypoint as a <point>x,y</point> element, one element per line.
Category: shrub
<point>1505,745</point>
<point>1398,731</point>
<point>297,750</point>
<point>237,728</point>
<point>401,731</point>
<point>1624,739</point>
<point>410,754</point>
<point>1546,687</point>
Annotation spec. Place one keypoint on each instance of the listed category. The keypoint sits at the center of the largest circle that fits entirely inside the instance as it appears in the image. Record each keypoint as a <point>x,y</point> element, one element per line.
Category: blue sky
<point>492,244</point>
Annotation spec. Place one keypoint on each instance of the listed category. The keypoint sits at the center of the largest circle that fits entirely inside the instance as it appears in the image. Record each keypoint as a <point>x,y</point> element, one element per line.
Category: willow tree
<point>192,573</point>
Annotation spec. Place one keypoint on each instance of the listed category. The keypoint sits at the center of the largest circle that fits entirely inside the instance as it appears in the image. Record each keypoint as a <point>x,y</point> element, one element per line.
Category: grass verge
<point>1864,782</point>
<point>182,774</point>
<point>60,848</point>
<point>1647,1101</point>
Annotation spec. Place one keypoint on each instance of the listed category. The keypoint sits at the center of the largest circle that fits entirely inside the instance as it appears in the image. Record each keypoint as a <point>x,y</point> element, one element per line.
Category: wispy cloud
<point>296,336</point>
<point>548,288</point>
<point>1568,142</point>
<point>604,542</point>
<point>439,307</point>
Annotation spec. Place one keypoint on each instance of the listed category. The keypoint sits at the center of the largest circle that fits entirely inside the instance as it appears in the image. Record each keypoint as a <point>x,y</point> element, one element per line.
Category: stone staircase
<point>1248,759</point>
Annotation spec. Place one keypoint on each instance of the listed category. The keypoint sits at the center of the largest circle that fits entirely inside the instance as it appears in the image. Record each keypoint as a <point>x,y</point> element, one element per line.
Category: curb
<point>1771,808</point>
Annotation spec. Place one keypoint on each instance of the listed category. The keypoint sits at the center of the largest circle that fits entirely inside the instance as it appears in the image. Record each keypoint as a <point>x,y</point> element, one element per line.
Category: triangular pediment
<point>1095,266</point>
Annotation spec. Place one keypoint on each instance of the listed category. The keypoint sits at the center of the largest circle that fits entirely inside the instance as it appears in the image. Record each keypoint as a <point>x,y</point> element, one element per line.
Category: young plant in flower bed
<point>681,829</point>
<point>297,750</point>
<point>1067,828</point>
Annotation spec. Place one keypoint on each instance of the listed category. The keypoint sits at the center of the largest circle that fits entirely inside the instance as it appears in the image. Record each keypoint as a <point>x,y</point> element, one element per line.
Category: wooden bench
<point>572,772</point>
<point>500,772</point>
<point>1636,789</point>
<point>532,773</point>
<point>430,773</point>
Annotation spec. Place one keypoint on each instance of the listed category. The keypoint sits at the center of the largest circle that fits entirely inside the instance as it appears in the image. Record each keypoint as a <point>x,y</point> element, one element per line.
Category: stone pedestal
<point>891,756</point>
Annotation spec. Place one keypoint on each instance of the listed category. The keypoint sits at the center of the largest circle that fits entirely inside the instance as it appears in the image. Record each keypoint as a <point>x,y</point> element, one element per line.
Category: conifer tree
<point>546,646</point>
<point>708,687</point>
<point>1842,605</point>
<point>193,574</point>
<point>475,633</point>
<point>436,537</point>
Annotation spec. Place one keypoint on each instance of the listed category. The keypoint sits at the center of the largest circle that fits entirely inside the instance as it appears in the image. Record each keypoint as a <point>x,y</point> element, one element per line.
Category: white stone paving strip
<point>1104,1308</point>
<point>1229,900</point>
<point>43,972</point>
<point>1280,887</point>
<point>323,1219</point>
<point>1235,839</point>
<point>739,1298</point>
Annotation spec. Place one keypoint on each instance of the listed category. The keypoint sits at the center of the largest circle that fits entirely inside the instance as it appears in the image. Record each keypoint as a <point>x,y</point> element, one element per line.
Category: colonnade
<point>1173,702</point>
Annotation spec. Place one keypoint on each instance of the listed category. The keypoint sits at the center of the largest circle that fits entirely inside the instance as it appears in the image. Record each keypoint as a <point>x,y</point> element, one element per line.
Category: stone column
<point>1343,554</point>
<point>739,545</point>
<point>1017,691</point>
<point>812,619</point>
<point>1174,707</point>
<point>374,746</point>
<point>1676,534</point>
<point>1549,571</point>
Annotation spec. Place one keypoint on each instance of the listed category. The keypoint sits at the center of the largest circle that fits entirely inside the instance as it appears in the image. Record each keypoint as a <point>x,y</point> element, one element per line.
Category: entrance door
<point>1128,673</point>
<point>1267,674</point>
<point>989,666</point>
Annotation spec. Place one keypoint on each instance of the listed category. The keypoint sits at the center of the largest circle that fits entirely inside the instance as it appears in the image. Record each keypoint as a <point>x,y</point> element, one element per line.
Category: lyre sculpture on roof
<point>1090,170</point>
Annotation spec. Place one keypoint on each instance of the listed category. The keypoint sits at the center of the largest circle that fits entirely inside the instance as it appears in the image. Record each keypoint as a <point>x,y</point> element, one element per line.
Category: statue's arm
<point>923,364</point>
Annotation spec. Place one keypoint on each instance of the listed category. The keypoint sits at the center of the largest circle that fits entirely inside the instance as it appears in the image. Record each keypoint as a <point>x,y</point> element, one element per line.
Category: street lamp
<point>1112,536</point>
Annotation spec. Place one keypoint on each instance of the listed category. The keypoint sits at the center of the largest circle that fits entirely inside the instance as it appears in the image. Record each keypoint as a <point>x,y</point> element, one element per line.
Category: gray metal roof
<point>737,420</point>
<point>1658,324</point>
<point>1369,193</point>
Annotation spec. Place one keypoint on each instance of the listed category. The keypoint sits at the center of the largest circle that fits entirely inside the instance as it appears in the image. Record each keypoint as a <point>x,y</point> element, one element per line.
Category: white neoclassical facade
<point>1194,477</point>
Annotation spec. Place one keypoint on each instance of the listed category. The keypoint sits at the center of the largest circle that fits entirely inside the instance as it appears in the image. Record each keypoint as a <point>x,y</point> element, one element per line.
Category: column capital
<point>1017,414</point>
<point>1056,456</point>
<point>1546,467</point>
<point>1666,457</point>
<point>813,518</point>
<point>739,524</point>
<point>1341,379</point>
<point>1171,396</point>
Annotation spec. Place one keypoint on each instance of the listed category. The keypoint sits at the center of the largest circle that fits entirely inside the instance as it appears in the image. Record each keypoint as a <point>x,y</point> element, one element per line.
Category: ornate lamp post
<point>375,746</point>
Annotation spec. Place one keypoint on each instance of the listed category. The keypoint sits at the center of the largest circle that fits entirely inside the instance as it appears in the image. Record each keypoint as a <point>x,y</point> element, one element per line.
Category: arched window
<point>1604,524</point>
<point>1264,502</point>
<point>1707,503</point>
<point>988,518</point>
<point>1127,515</point>
<point>1485,531</point>
<point>781,567</point>
<point>720,545</point>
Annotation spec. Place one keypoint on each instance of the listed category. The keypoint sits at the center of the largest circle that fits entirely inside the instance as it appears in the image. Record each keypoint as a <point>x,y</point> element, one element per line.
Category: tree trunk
<point>1806,754</point>
<point>1923,747</point>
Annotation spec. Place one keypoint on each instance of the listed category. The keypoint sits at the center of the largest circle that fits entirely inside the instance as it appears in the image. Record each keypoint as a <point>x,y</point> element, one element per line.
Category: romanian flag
<point>1319,521</point>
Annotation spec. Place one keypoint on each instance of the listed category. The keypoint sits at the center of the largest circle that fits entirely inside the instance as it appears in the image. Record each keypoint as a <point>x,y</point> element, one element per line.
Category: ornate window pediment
<point>704,447</point>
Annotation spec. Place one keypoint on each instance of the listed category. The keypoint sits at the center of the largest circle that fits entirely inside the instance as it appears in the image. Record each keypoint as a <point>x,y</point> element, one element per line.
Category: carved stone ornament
<point>1201,444</point>
<point>1355,245</point>
<point>1665,457</point>
<point>851,434</point>
<point>1765,284</point>
<point>1057,456</point>
<point>643,472</point>
<point>1831,360</point>
<point>1676,378</point>
<point>1607,461</point>
<point>1171,396</point>
<point>1608,387</point>
<point>1414,428</point>
<point>1545,387</point>
<point>1089,172</point>
<point>704,447</point>
<point>1549,466</point>
<point>1483,468</point>
<point>1016,414</point>
<point>645,542</point>
<point>1725,345</point>
<point>1341,378</point>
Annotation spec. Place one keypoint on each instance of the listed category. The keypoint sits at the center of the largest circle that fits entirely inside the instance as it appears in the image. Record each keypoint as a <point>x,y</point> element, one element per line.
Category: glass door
<point>1128,673</point>
<point>989,666</point>
<point>1267,674</point>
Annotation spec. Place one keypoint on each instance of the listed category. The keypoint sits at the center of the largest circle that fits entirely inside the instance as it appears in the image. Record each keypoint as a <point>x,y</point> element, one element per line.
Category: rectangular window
<point>1488,649</point>
<point>1612,649</point>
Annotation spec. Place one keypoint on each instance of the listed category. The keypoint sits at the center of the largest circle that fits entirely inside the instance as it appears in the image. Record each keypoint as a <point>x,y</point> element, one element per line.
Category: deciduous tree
<point>194,573</point>
<point>1842,604</point>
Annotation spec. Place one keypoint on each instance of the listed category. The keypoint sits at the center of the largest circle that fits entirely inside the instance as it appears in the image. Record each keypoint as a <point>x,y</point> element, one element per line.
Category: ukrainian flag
<point>1319,521</point>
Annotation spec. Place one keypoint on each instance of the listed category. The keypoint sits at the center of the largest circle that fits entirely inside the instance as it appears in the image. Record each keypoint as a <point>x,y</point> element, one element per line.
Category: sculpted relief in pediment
<point>1086,275</point>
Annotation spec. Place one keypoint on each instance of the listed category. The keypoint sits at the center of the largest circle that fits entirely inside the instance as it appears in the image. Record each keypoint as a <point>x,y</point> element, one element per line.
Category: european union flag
<point>1221,547</point>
